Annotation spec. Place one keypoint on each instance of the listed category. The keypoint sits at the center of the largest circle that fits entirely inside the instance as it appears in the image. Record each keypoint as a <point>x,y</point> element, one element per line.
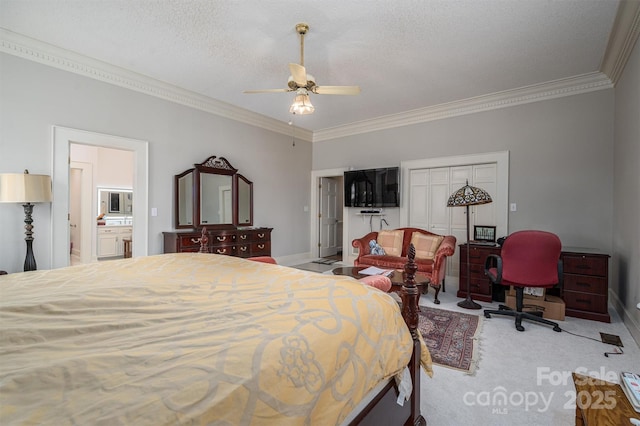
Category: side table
<point>601,403</point>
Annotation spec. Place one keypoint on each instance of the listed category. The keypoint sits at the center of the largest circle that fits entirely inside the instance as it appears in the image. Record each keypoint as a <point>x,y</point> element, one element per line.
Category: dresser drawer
<point>190,241</point>
<point>227,250</point>
<point>585,301</point>
<point>585,284</point>
<point>261,248</point>
<point>585,265</point>
<point>243,250</point>
<point>222,239</point>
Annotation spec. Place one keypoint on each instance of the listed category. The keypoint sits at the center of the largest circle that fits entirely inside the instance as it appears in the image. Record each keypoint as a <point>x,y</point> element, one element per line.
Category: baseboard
<point>626,315</point>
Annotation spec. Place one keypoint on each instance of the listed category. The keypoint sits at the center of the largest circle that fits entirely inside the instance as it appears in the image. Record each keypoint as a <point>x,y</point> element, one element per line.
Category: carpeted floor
<point>451,337</point>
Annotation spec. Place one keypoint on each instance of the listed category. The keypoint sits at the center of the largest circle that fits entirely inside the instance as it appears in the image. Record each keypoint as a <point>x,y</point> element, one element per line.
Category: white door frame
<point>62,137</point>
<point>315,197</point>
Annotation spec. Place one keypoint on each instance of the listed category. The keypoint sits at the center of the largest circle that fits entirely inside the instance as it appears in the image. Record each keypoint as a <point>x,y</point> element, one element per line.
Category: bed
<point>195,338</point>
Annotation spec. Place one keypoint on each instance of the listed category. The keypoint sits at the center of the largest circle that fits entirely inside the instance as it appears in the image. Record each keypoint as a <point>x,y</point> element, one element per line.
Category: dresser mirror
<point>245,197</point>
<point>185,200</point>
<point>214,195</point>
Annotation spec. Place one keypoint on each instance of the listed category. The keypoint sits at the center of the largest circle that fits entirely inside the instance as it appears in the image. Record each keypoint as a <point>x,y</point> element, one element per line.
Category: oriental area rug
<point>452,337</point>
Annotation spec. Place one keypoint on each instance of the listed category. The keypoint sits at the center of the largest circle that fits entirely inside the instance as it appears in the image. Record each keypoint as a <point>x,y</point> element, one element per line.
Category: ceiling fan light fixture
<point>301,105</point>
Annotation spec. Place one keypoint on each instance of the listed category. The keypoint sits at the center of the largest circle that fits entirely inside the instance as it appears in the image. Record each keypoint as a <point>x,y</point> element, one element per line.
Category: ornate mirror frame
<point>209,192</point>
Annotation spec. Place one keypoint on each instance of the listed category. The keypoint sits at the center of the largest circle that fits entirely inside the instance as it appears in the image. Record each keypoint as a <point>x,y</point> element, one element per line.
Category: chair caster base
<point>519,328</point>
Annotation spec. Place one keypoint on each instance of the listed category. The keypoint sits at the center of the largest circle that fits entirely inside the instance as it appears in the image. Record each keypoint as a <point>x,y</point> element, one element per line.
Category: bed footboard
<point>383,408</point>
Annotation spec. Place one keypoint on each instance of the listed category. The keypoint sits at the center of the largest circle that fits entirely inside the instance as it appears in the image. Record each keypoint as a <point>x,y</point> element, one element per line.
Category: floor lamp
<point>25,188</point>
<point>465,197</point>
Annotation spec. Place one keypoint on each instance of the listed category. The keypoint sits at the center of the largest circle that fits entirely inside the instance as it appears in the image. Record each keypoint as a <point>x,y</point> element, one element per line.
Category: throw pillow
<point>378,281</point>
<point>426,245</point>
<point>391,242</point>
<point>375,249</point>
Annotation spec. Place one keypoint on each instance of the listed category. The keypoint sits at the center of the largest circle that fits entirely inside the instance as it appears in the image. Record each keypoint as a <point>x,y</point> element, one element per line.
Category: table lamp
<point>25,188</point>
<point>465,197</point>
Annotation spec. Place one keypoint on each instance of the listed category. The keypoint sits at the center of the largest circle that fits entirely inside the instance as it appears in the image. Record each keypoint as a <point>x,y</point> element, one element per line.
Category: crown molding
<point>508,98</point>
<point>624,35</point>
<point>44,53</point>
<point>47,54</point>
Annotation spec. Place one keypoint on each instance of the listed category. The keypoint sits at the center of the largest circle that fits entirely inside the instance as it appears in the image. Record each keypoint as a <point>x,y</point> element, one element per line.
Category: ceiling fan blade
<point>267,91</point>
<point>337,90</point>
<point>299,74</point>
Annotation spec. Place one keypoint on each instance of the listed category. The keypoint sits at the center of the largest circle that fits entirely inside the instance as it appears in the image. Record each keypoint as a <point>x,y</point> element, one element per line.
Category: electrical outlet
<point>513,207</point>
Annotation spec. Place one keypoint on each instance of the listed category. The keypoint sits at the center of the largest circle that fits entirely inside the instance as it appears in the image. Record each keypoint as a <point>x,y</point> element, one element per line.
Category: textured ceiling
<point>404,55</point>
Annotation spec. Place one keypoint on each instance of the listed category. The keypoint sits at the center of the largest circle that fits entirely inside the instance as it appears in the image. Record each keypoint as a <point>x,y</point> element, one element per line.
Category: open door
<point>330,206</point>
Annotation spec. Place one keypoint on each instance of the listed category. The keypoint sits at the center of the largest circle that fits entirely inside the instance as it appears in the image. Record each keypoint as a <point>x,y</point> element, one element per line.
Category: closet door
<point>429,192</point>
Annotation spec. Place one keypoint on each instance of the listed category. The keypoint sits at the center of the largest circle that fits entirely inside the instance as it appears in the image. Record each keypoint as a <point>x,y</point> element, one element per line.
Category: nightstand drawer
<point>585,265</point>
<point>585,301</point>
<point>585,284</point>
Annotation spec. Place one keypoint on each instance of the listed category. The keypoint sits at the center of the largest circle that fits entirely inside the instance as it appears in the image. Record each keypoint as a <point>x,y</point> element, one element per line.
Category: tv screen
<point>372,188</point>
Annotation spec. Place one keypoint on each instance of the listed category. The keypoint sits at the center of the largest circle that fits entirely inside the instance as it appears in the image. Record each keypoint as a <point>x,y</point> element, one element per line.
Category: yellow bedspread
<point>192,339</point>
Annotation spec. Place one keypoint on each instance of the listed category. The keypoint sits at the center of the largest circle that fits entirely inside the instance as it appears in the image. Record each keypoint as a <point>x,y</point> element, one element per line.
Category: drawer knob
<point>260,246</point>
<point>221,238</point>
<point>221,251</point>
<point>243,248</point>
<point>243,237</point>
<point>260,235</point>
<point>195,240</point>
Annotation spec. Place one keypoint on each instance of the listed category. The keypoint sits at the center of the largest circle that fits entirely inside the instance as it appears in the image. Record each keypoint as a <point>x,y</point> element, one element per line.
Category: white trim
<point>315,177</point>
<point>62,137</point>
<point>623,36</point>
<point>44,53</point>
<point>47,54</point>
<point>501,198</point>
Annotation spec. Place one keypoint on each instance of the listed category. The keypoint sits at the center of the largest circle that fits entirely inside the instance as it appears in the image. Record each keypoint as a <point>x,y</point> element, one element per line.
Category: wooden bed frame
<point>383,409</point>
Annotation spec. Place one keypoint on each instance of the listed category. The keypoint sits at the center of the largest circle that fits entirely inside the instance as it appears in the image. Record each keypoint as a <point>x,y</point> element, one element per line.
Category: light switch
<point>513,207</point>
<point>154,211</point>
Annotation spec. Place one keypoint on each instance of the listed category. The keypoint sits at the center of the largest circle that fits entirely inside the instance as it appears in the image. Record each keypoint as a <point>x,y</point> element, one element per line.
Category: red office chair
<point>527,259</point>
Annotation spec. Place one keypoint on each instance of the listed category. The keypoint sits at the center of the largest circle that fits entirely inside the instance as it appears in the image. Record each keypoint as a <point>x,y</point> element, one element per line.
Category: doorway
<point>80,201</point>
<point>316,189</point>
<point>330,218</point>
<point>62,139</point>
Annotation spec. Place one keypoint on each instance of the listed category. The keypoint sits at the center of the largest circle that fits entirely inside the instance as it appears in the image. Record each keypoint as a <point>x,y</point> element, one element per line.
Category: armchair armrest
<point>446,249</point>
<point>362,244</point>
<point>491,263</point>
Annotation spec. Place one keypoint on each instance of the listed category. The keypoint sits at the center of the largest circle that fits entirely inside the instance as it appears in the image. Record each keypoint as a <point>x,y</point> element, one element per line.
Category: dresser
<point>240,242</point>
<point>585,279</point>
<point>586,283</point>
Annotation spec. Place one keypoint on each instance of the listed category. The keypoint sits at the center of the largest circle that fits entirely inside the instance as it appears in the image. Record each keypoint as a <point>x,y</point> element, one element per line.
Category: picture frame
<point>484,233</point>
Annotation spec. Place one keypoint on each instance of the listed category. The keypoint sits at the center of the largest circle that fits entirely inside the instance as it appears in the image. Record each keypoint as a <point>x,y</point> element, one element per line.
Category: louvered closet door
<point>429,192</point>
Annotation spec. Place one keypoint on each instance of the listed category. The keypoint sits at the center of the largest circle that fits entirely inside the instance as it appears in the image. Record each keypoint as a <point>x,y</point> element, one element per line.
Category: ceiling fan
<point>303,83</point>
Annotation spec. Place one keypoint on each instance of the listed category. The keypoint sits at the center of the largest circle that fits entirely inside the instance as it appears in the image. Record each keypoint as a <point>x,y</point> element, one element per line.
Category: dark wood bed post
<point>410,314</point>
<point>204,241</point>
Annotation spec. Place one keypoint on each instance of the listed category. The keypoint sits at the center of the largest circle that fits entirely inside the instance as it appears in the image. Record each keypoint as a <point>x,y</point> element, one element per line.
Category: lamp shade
<point>24,188</point>
<point>469,196</point>
<point>301,104</point>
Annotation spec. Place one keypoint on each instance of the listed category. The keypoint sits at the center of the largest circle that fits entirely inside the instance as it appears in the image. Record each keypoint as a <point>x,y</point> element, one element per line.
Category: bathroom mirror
<point>213,194</point>
<point>115,202</point>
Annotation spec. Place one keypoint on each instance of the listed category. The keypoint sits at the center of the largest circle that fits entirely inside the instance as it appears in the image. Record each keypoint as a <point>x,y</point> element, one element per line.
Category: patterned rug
<point>452,337</point>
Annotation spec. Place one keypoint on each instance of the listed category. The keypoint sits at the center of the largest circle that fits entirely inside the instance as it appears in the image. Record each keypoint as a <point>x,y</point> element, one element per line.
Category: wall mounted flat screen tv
<point>372,188</point>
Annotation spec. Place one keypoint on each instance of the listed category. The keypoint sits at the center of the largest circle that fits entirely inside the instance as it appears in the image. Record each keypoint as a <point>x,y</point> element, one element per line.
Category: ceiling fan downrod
<point>302,29</point>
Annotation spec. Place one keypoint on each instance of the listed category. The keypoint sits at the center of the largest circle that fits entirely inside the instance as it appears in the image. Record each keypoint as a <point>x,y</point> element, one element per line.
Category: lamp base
<point>469,304</point>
